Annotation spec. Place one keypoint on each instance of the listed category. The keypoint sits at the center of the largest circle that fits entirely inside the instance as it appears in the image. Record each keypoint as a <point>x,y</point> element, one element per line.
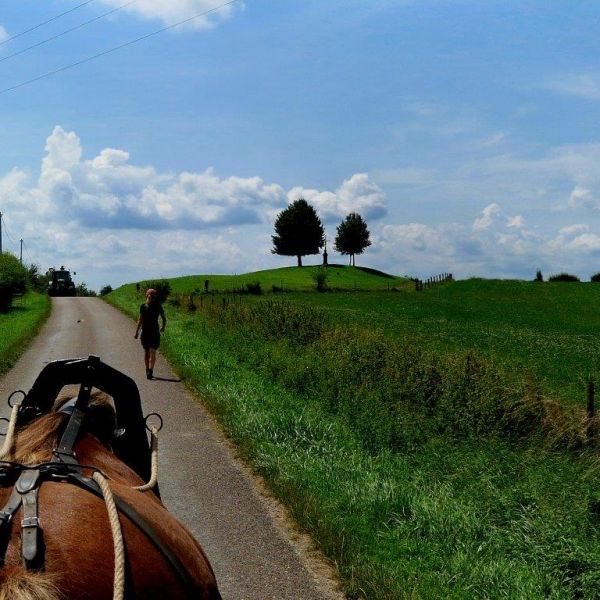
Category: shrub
<point>595,278</point>
<point>13,279</point>
<point>563,277</point>
<point>83,290</point>
<point>254,288</point>
<point>320,278</point>
<point>539,276</point>
<point>107,289</point>
<point>162,287</point>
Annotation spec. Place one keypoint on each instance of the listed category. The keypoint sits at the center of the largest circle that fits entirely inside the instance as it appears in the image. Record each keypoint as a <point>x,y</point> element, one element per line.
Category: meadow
<point>20,325</point>
<point>421,470</point>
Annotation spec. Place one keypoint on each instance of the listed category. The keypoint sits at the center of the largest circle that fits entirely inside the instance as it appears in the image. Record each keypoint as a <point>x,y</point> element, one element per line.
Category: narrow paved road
<point>202,483</point>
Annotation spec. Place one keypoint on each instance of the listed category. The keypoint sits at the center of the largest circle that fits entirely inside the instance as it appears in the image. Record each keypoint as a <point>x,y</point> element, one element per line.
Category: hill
<point>340,277</point>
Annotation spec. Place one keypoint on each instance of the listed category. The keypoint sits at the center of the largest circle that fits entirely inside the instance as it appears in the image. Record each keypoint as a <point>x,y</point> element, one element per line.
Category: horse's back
<point>78,547</point>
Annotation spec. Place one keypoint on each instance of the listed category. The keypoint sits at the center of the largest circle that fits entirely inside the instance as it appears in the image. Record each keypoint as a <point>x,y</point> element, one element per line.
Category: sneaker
<point>148,373</point>
<point>151,373</point>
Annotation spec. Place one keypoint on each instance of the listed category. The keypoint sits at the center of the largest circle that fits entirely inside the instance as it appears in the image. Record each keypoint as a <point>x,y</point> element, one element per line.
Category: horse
<point>77,542</point>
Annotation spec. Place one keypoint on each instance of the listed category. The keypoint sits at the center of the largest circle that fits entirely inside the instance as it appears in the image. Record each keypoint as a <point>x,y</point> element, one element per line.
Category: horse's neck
<point>91,452</point>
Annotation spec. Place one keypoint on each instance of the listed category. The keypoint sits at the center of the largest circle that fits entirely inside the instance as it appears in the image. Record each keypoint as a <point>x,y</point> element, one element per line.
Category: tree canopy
<point>13,279</point>
<point>352,236</point>
<point>298,231</point>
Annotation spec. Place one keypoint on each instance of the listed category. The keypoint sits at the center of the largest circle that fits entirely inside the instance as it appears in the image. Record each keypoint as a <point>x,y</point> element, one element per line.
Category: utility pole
<point>21,253</point>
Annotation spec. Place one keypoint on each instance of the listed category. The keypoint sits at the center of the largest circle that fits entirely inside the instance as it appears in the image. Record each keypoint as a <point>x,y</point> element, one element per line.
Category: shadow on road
<point>173,380</point>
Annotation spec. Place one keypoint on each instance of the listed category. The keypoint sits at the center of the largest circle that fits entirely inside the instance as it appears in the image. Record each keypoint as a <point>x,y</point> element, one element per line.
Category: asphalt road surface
<point>254,554</point>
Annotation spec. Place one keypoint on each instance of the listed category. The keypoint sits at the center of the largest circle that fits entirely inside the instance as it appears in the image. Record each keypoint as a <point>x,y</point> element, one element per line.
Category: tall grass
<point>393,395</point>
<point>19,325</point>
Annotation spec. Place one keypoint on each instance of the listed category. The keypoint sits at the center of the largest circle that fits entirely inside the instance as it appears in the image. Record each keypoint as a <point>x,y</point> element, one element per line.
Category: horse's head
<point>35,442</point>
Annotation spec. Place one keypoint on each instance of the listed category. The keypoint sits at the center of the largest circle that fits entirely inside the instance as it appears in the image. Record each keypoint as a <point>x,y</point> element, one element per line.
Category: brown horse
<point>78,546</point>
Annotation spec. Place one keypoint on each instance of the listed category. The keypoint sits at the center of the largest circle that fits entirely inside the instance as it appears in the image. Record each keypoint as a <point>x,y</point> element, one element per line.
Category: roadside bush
<point>254,288</point>
<point>538,276</point>
<point>595,278</point>
<point>320,277</point>
<point>107,289</point>
<point>13,279</point>
<point>162,287</point>
<point>83,290</point>
<point>563,277</point>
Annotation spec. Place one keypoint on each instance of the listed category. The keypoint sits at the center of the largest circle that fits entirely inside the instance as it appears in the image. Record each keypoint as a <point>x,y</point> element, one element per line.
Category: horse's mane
<point>34,442</point>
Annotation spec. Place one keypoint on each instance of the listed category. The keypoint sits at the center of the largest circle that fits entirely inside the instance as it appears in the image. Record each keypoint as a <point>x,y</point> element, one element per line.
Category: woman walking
<point>148,323</point>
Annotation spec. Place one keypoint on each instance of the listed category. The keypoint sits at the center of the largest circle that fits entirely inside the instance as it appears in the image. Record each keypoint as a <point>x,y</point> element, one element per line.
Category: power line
<point>58,35</point>
<point>115,48</point>
<point>12,37</point>
<point>7,231</point>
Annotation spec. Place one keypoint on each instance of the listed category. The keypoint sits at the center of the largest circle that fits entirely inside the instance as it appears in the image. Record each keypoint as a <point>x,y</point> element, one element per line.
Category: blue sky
<point>465,132</point>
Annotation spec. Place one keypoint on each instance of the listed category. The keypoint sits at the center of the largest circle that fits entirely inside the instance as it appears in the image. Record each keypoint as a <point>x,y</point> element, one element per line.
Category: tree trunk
<point>299,260</point>
<point>350,261</point>
<point>354,260</point>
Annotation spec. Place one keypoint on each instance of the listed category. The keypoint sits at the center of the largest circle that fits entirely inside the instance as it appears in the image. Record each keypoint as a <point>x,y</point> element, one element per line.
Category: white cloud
<point>487,218</point>
<point>172,11</point>
<point>582,85</point>
<point>4,35</point>
<point>516,222</point>
<point>582,197</point>
<point>357,194</point>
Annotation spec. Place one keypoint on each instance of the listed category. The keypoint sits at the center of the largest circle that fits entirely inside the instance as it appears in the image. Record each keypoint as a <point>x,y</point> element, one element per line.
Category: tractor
<point>60,282</point>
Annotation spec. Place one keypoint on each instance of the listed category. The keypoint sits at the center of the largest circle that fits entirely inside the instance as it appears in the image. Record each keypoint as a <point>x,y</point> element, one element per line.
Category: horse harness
<point>27,480</point>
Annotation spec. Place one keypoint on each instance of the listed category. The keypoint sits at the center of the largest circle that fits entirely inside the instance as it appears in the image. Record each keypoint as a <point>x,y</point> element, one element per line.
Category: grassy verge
<point>448,516</point>
<point>20,325</point>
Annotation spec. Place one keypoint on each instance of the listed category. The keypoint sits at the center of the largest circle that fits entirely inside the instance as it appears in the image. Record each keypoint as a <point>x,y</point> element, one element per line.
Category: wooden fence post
<point>591,410</point>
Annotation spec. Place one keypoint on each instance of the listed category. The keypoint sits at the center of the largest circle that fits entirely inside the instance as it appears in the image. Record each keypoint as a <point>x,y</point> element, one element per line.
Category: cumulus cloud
<point>487,217</point>
<point>172,11</point>
<point>110,192</point>
<point>582,197</point>
<point>358,194</point>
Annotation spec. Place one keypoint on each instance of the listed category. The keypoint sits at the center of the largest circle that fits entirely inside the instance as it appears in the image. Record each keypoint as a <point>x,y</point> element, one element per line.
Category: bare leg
<point>152,358</point>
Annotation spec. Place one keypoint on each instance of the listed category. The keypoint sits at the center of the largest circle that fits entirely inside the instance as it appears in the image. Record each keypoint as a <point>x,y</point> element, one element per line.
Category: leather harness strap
<point>28,487</point>
<point>25,492</point>
<point>64,451</point>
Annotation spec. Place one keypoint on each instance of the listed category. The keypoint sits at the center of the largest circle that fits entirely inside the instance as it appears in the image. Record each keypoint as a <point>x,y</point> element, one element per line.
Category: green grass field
<point>20,325</point>
<point>449,514</point>
<point>548,331</point>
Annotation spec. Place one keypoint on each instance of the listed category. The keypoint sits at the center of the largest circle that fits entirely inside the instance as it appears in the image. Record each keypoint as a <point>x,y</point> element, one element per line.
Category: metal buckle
<point>30,522</point>
<point>5,517</point>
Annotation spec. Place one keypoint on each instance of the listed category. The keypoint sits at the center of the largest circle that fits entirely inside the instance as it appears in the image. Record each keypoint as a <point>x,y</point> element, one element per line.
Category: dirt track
<point>202,482</point>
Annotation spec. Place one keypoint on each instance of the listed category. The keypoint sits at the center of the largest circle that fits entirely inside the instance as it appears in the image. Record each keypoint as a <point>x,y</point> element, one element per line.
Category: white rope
<point>154,463</point>
<point>117,534</point>
<point>9,440</point>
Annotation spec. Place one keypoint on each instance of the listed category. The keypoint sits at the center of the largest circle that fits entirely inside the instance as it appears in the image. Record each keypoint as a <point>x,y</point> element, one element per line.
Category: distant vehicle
<point>60,283</point>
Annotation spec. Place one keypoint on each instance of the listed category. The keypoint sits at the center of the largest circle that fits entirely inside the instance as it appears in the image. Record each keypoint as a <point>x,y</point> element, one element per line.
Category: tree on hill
<point>352,237</point>
<point>298,231</point>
